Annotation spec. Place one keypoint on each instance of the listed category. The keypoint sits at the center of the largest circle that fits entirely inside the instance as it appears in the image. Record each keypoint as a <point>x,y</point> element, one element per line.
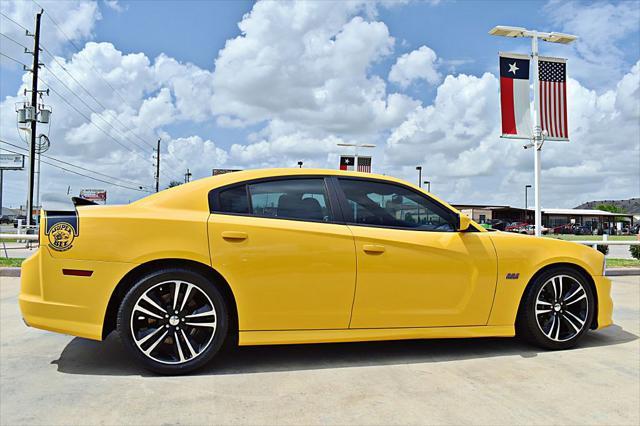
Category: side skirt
<point>286,337</point>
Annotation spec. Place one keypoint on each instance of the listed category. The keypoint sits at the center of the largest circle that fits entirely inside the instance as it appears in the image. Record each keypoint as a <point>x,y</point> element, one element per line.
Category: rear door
<point>414,268</point>
<point>289,261</point>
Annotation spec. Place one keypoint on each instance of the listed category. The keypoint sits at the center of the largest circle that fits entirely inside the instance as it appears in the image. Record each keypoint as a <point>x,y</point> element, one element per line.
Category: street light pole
<point>526,201</point>
<point>419,169</point>
<point>428,183</point>
<point>537,137</point>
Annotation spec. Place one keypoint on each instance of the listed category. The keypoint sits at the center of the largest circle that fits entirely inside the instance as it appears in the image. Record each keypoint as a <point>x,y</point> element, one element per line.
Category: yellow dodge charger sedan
<point>282,256</point>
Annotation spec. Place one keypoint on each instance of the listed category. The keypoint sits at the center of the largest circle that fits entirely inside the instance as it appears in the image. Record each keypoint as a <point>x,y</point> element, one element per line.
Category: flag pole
<point>537,134</point>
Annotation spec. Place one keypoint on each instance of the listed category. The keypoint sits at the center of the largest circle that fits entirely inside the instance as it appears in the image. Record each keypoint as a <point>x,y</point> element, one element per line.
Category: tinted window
<point>234,200</point>
<point>304,199</point>
<point>383,204</point>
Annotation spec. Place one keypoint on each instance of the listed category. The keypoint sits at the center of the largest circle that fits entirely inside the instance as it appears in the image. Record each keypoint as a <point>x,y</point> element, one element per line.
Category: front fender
<point>520,257</point>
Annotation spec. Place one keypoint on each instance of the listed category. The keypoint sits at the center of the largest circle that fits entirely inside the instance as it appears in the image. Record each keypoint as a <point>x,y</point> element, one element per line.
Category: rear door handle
<point>373,248</point>
<point>234,235</point>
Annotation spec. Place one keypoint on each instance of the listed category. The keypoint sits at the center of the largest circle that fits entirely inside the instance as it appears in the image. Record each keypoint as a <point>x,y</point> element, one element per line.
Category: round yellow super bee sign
<point>61,236</point>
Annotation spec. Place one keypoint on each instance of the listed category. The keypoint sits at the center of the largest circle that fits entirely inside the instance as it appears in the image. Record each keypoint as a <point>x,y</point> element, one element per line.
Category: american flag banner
<point>347,162</point>
<point>553,97</point>
<point>364,164</point>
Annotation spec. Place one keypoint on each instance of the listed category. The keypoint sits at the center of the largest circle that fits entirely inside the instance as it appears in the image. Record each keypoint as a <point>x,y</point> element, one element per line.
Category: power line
<point>93,97</point>
<point>75,165</point>
<point>14,40</point>
<point>18,24</point>
<point>83,175</point>
<point>14,60</point>
<point>92,110</point>
<point>92,123</point>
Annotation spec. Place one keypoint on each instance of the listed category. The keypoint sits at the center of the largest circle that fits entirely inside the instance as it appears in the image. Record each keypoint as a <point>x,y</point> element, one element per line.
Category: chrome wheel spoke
<point>156,343</point>
<point>553,323</point>
<point>152,303</point>
<point>149,336</point>
<point>584,296</point>
<point>176,294</point>
<point>186,339</point>
<point>146,311</point>
<point>577,291</point>
<point>180,354</point>
<point>186,296</point>
<point>201,324</point>
<point>201,314</point>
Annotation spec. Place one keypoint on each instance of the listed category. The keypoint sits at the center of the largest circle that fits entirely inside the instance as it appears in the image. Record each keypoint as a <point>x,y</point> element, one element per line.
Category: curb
<point>622,272</point>
<point>10,272</point>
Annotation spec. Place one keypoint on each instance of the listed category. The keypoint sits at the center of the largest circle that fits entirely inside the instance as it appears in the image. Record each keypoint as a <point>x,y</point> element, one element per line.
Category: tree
<point>611,208</point>
<point>174,183</point>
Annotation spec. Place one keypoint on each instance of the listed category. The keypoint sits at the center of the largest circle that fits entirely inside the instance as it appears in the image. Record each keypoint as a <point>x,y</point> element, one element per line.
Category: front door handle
<point>234,235</point>
<point>373,248</point>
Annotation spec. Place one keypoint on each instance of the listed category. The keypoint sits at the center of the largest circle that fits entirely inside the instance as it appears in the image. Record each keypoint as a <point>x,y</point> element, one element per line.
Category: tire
<point>553,322</point>
<point>168,334</point>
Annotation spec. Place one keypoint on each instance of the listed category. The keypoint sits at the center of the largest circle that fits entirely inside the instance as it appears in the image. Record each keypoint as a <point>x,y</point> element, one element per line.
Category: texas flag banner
<point>347,162</point>
<point>514,96</point>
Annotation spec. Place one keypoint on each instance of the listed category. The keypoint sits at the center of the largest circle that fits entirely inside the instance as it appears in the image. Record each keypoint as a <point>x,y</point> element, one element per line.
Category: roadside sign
<point>98,195</point>
<point>216,172</point>
<point>11,161</point>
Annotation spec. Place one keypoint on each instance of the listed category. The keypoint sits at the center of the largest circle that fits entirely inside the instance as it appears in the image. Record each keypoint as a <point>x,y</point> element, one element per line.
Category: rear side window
<point>303,199</point>
<point>234,200</point>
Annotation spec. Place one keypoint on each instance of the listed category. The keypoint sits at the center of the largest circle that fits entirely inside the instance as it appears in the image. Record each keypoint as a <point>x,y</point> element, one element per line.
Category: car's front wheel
<point>173,321</point>
<point>557,309</point>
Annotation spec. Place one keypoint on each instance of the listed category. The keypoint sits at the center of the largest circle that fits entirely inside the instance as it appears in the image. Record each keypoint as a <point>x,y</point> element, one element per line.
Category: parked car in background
<point>582,230</point>
<point>515,226</point>
<point>6,219</point>
<point>498,224</point>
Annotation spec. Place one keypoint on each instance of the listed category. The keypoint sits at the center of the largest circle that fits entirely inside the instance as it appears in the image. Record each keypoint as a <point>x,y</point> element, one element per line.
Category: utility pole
<point>187,176</point>
<point>158,167</point>
<point>419,169</point>
<point>34,121</point>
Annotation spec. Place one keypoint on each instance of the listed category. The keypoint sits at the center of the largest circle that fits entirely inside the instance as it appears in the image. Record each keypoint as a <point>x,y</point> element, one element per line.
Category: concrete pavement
<point>46,378</point>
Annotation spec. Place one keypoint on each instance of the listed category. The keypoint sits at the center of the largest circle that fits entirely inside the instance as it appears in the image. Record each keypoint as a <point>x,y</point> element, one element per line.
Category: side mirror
<point>463,222</point>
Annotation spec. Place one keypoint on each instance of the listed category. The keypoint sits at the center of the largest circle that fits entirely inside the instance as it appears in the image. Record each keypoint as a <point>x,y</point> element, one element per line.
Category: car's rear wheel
<point>557,309</point>
<point>173,321</point>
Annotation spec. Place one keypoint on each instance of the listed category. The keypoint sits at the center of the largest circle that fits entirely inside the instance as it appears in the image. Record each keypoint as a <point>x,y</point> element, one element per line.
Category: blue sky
<point>266,127</point>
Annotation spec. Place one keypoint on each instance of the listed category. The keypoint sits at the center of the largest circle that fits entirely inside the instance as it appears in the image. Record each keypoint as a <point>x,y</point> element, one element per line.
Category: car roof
<point>194,193</point>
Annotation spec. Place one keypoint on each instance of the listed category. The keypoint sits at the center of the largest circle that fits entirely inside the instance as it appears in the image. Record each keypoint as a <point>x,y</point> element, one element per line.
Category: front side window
<point>384,204</point>
<point>304,199</point>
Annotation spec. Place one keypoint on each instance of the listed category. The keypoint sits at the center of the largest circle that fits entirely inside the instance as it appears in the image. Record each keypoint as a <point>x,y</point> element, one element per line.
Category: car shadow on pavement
<point>109,357</point>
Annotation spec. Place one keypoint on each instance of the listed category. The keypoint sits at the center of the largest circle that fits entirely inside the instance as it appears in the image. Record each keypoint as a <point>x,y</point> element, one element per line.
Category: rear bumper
<point>67,304</point>
<point>605,303</point>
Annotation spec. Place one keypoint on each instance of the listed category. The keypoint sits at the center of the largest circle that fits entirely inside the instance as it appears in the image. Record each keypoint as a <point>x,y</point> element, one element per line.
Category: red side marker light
<point>77,272</point>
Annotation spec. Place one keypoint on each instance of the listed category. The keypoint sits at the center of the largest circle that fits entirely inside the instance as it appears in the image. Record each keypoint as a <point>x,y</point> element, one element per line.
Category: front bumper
<point>605,303</point>
<point>67,304</point>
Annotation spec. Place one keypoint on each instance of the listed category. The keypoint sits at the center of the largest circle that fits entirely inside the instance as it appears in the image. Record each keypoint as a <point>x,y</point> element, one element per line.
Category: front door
<point>288,262</point>
<point>414,268</point>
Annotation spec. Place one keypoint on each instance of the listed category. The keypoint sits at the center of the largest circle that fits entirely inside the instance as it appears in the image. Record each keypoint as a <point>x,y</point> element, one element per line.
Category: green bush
<point>603,249</point>
<point>635,252</point>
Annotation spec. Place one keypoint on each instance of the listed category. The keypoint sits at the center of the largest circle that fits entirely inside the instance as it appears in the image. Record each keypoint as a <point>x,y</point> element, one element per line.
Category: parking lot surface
<point>51,379</point>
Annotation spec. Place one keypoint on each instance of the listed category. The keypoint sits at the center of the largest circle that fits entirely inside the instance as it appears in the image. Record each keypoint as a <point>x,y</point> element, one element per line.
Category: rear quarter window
<point>233,200</point>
